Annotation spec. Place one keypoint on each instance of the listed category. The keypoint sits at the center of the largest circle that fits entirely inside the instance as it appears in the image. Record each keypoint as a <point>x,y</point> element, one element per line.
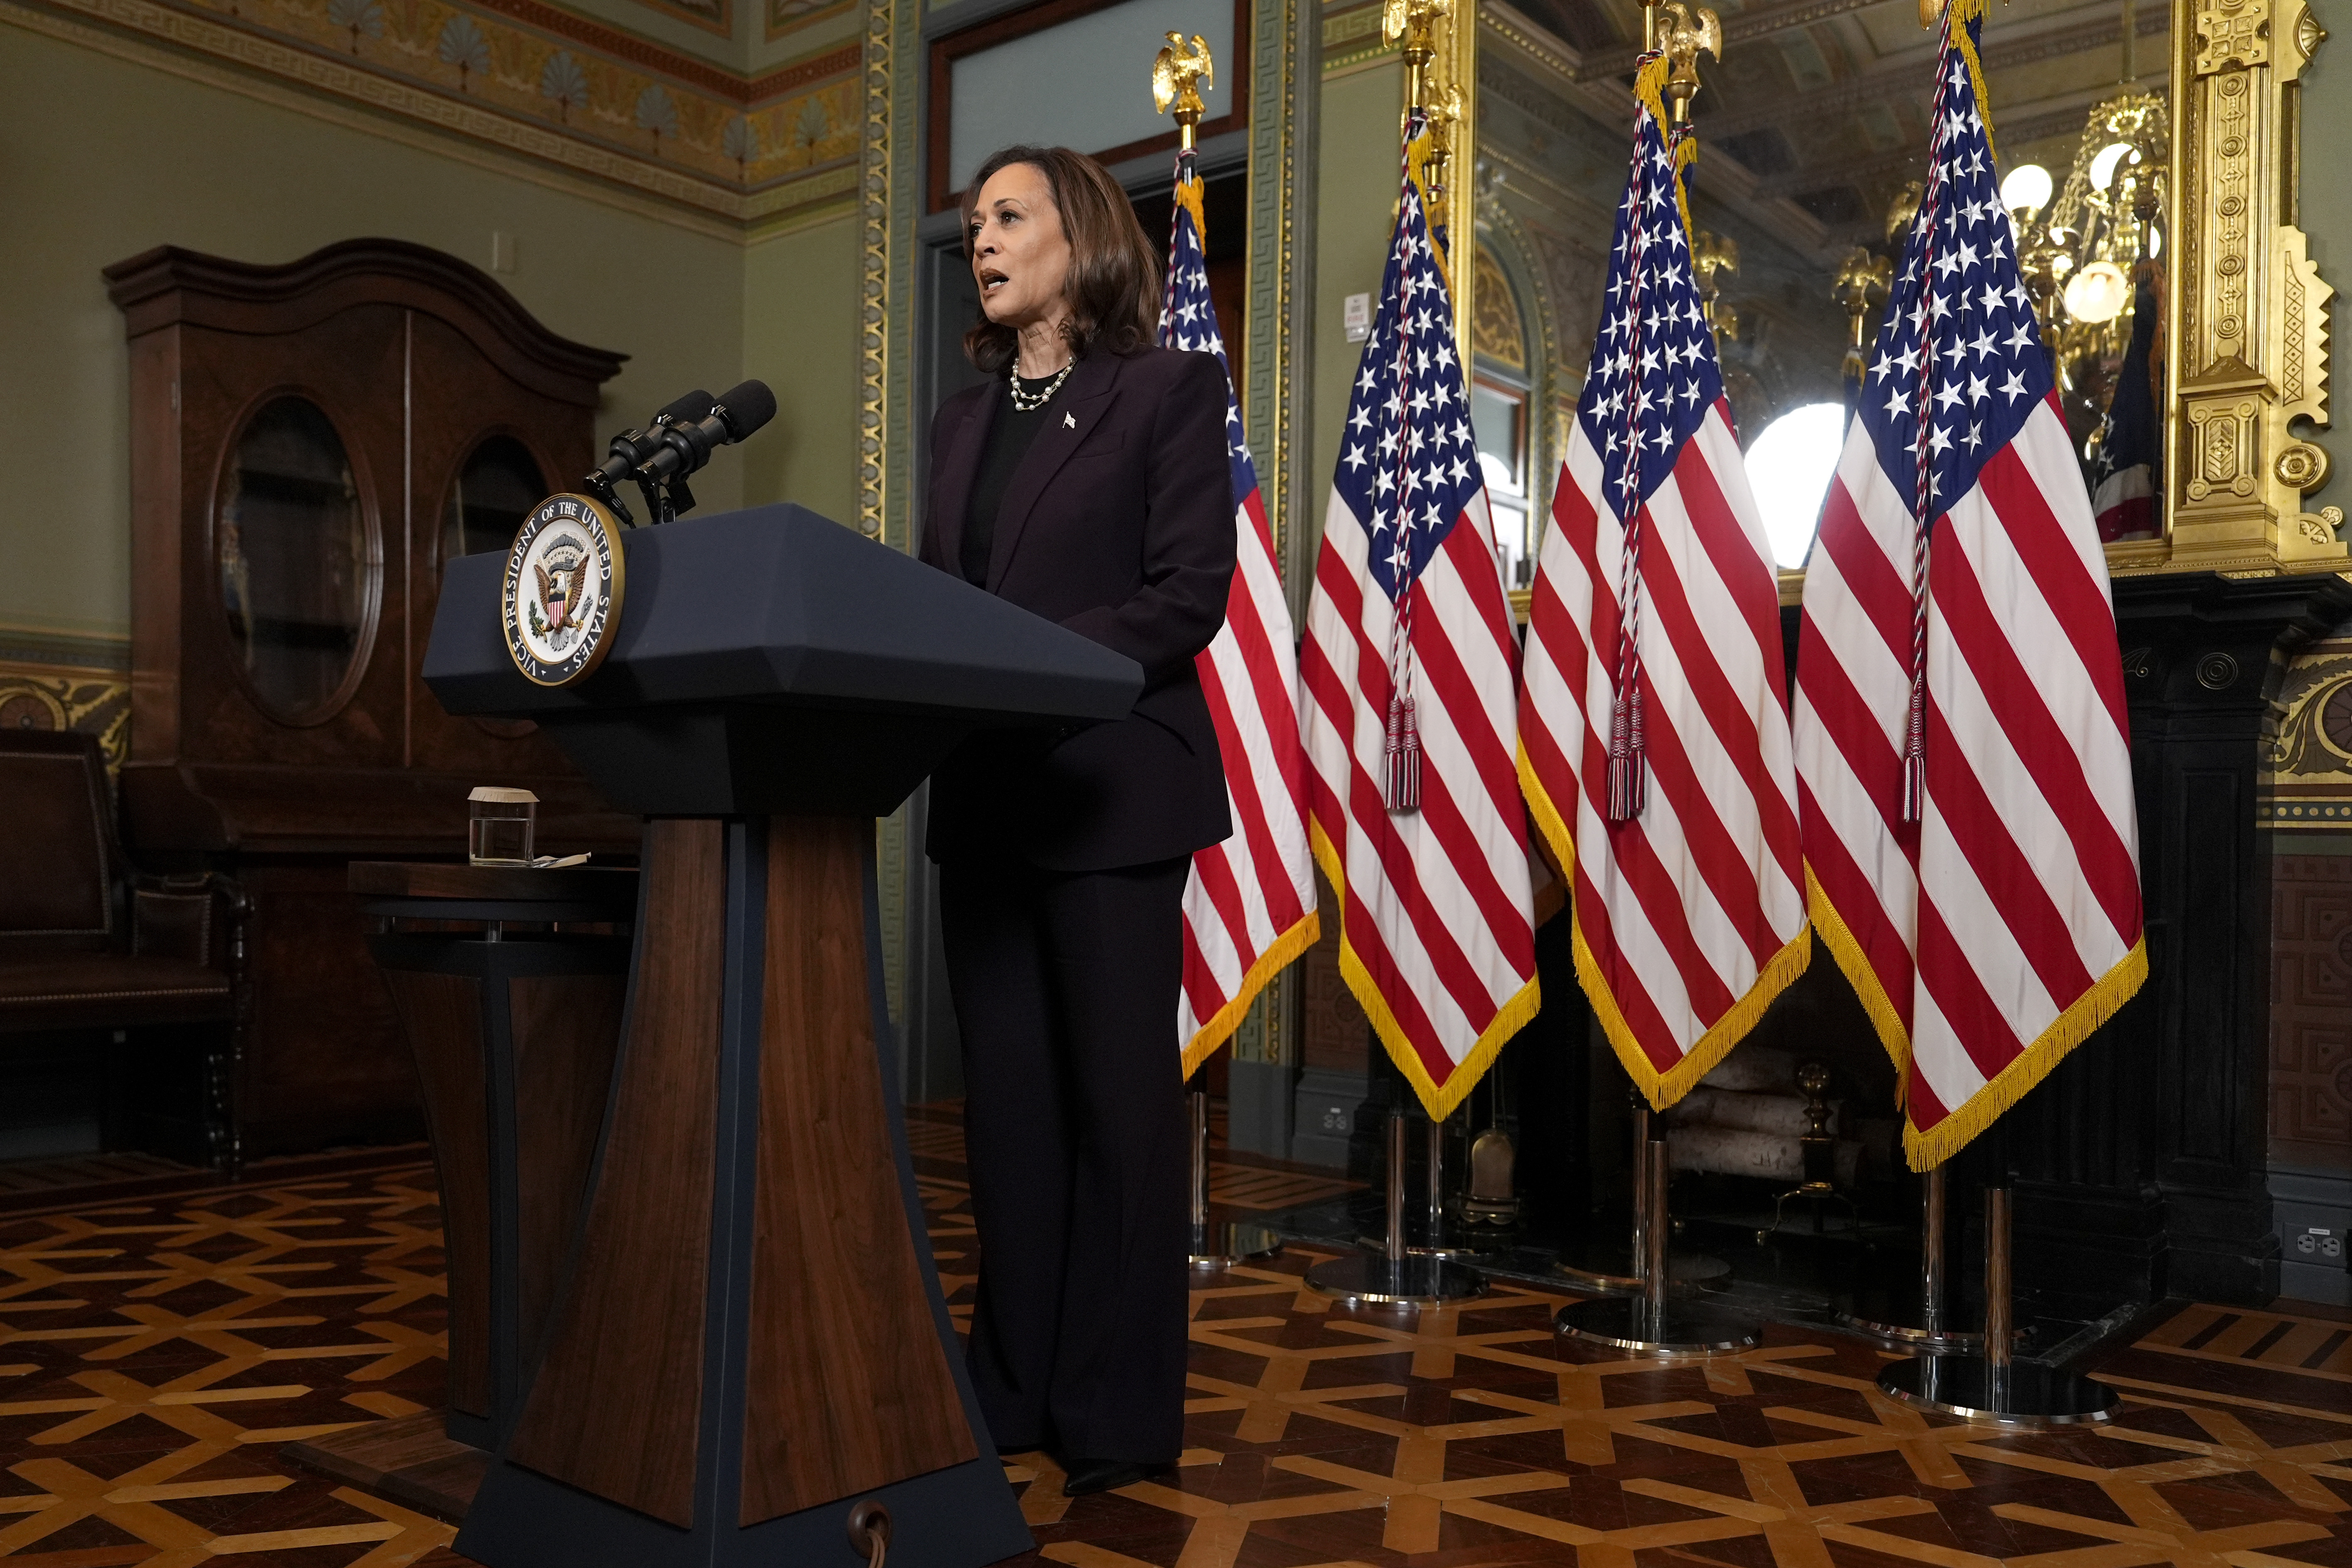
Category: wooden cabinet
<point>309,442</point>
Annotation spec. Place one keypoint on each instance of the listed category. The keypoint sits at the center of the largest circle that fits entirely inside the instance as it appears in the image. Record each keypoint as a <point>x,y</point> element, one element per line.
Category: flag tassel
<point>1626,773</point>
<point>1403,755</point>
<point>1915,756</point>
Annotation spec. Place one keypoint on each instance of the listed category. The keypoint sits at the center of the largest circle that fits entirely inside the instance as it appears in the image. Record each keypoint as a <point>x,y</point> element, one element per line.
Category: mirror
<point>298,562</point>
<point>493,493</point>
<point>1813,132</point>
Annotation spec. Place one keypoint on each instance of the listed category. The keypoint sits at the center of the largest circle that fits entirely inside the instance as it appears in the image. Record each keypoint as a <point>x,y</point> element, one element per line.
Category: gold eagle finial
<point>1682,32</point>
<point>1178,73</point>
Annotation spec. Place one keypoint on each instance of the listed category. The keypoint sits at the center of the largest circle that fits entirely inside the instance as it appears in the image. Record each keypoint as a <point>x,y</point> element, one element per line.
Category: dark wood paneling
<point>324,1062</point>
<point>617,1407</point>
<point>1332,1025</point>
<point>2140,1161</point>
<point>849,1387</point>
<point>2311,1017</point>
<point>566,1030</point>
<point>443,1017</point>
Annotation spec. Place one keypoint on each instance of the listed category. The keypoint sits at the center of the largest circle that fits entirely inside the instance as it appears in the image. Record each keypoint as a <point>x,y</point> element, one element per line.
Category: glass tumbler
<point>499,831</point>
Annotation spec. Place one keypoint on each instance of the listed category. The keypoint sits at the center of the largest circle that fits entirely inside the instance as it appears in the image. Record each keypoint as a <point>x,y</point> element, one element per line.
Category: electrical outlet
<point>2317,1242</point>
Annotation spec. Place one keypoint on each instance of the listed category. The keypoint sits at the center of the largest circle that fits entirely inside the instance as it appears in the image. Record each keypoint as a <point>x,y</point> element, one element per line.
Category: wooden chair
<point>86,944</point>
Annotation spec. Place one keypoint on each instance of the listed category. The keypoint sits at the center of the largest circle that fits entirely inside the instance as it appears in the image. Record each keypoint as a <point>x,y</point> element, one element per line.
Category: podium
<point>749,1338</point>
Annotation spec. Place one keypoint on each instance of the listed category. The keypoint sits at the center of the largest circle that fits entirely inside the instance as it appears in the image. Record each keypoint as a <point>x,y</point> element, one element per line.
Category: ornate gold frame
<point>2247,318</point>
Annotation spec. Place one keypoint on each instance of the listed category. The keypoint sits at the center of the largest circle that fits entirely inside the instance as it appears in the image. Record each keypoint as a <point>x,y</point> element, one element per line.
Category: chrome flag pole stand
<point>1393,1277</point>
<point>1603,1271</point>
<point>1935,1329</point>
<point>1435,1243</point>
<point>1656,1321</point>
<point>1994,1385</point>
<point>1233,1241</point>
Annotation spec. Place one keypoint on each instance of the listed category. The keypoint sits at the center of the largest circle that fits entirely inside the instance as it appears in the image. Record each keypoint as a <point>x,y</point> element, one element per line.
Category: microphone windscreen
<point>696,404</point>
<point>748,407</point>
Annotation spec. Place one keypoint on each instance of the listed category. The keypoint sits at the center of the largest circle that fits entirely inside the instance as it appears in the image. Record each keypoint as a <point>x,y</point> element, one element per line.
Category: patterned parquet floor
<point>155,1354</point>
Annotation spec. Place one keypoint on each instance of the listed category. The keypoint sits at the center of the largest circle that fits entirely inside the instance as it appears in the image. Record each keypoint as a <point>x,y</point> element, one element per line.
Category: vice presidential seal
<point>563,598</point>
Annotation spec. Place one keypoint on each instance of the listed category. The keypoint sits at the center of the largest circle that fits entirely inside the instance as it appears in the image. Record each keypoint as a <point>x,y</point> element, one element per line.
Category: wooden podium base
<point>750,1339</point>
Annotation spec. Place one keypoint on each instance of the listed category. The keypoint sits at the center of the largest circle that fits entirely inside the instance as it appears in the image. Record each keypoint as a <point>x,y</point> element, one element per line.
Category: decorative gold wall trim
<point>1351,39</point>
<point>51,680</point>
<point>513,90</point>
<point>874,284</point>
<point>891,178</point>
<point>2306,782</point>
<point>2248,352</point>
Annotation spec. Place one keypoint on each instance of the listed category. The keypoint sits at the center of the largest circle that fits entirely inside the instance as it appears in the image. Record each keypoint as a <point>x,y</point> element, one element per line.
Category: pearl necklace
<point>1030,403</point>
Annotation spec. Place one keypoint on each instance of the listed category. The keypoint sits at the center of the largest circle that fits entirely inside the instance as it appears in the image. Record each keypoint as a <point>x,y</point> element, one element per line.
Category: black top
<point>1008,443</point>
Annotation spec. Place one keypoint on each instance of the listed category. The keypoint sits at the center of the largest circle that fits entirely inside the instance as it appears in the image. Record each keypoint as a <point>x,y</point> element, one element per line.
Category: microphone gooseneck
<point>677,442</point>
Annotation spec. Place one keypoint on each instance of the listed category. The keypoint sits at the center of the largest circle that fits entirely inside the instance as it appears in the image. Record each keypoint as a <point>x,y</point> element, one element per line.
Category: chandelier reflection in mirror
<point>2092,249</point>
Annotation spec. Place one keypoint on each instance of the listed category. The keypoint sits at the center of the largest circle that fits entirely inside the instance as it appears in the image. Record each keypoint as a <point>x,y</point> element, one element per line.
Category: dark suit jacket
<point>1118,525</point>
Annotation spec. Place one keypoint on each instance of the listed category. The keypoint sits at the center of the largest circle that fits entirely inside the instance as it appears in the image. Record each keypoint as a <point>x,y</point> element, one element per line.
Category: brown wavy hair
<point>1114,283</point>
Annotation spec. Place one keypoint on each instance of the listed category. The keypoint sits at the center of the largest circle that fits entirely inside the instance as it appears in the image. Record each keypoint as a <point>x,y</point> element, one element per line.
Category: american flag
<point>1963,756</point>
<point>1412,798</point>
<point>1249,904</point>
<point>1654,652</point>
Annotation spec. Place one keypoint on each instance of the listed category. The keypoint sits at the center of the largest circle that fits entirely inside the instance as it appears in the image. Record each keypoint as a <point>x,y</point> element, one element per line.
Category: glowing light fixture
<point>2097,293</point>
<point>2103,167</point>
<point>1789,467</point>
<point>2028,186</point>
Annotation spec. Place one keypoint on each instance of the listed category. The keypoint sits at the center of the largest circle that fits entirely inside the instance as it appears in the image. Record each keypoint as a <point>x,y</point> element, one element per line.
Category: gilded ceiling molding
<point>492,74</point>
<point>2248,325</point>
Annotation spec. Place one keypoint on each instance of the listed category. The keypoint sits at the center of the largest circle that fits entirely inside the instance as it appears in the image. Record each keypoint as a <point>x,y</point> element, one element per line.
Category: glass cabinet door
<point>299,567</point>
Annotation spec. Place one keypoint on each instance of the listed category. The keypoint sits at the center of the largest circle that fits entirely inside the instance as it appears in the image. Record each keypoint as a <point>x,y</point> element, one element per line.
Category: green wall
<point>800,336</point>
<point>102,158</point>
<point>1355,205</point>
<point>2326,197</point>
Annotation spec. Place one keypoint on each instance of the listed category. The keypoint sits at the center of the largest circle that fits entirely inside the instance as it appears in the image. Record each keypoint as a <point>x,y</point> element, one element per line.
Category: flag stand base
<point>1220,1246</point>
<point>1605,1269</point>
<point>1436,1244</point>
<point>1933,1329</point>
<point>2024,1394</point>
<point>1654,1322</point>
<point>1673,1328</point>
<point>1235,1241</point>
<point>1392,1277</point>
<point>1994,1386</point>
<point>1371,1279</point>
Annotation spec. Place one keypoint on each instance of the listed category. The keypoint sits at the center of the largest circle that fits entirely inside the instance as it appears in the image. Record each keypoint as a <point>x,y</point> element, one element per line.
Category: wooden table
<point>511,999</point>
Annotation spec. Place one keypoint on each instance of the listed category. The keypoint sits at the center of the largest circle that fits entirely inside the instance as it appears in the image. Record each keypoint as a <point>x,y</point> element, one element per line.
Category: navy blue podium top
<point>770,661</point>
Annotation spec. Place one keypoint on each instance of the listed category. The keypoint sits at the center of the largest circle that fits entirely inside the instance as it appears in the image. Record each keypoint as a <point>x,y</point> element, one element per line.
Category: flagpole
<point>1177,72</point>
<point>1992,1385</point>
<point>1395,1274</point>
<point>1661,1318</point>
<point>1934,1329</point>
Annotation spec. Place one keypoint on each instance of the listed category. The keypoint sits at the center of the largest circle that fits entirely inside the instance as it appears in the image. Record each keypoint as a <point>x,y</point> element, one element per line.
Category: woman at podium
<point>1085,481</point>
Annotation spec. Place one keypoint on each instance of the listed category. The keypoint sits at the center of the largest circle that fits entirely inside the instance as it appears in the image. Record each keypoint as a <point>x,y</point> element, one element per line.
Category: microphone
<point>686,445</point>
<point>632,448</point>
